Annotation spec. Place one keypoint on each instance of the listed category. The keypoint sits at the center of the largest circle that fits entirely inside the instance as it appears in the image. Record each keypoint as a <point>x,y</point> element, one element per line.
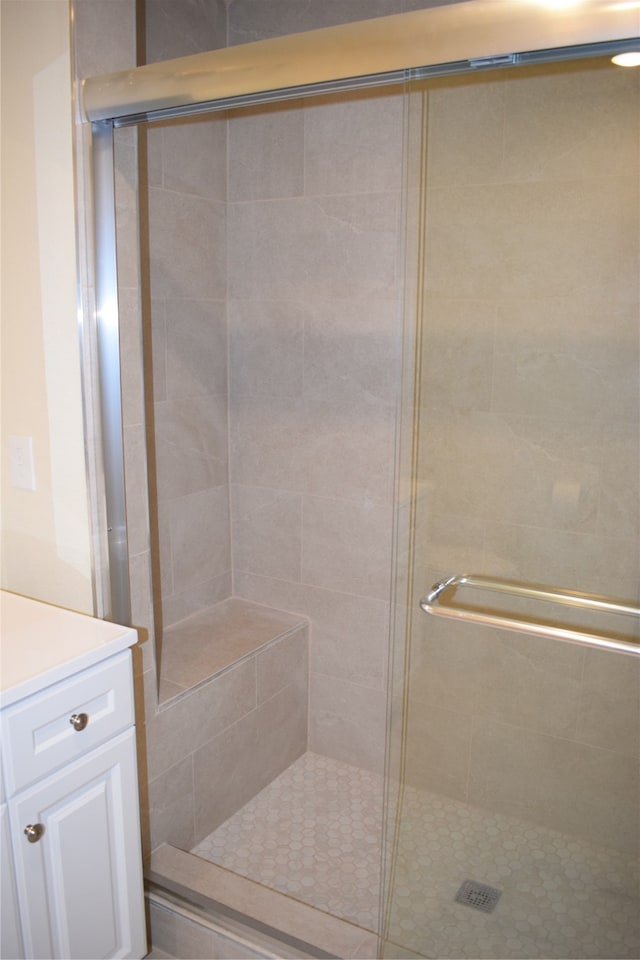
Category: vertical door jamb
<point>109,371</point>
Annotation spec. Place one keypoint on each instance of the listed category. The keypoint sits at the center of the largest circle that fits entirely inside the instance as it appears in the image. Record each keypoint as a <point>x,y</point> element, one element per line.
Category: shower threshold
<point>302,930</point>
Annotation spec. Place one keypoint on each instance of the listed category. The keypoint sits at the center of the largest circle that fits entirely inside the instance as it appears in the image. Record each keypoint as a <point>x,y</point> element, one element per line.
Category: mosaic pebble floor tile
<point>315,834</point>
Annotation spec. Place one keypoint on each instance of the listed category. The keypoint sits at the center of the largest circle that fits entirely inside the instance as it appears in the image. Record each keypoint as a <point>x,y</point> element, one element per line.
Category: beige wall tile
<point>251,20</point>
<point>196,344</point>
<point>141,601</point>
<point>177,606</point>
<point>349,635</point>
<point>266,348</point>
<point>126,177</point>
<point>267,532</point>
<point>557,239</point>
<point>547,112</point>
<point>136,487</point>
<point>334,247</point>
<point>194,156</point>
<point>457,372</point>
<point>352,351</point>
<point>178,936</point>
<point>266,436</point>
<point>437,749</point>
<point>574,360</point>
<point>555,783</point>
<point>191,446</point>
<point>609,714</point>
<point>171,806</point>
<point>466,130</point>
<point>131,356</point>
<point>347,721</point>
<point>267,147</point>
<point>247,756</point>
<point>282,663</point>
<point>185,725</point>
<point>187,241</point>
<point>533,682</point>
<point>96,20</point>
<point>365,132</point>
<point>151,152</point>
<point>579,561</point>
<point>176,29</point>
<point>347,451</point>
<point>346,546</point>
<point>199,537</point>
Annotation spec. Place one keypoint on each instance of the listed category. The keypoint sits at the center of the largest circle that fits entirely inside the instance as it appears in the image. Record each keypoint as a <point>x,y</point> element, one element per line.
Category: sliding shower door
<point>515,832</point>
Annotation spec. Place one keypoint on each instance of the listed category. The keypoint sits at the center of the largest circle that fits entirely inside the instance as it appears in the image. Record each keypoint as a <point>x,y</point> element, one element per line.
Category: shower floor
<point>315,833</point>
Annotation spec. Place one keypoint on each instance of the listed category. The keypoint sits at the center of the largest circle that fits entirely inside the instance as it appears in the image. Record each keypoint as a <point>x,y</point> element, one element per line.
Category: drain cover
<point>478,895</point>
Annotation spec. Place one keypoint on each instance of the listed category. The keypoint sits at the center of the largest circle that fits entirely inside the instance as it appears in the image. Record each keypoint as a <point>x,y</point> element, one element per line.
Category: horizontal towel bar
<point>441,601</point>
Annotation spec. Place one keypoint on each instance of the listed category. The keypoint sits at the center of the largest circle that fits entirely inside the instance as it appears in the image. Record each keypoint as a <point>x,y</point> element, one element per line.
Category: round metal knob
<point>33,832</point>
<point>79,720</point>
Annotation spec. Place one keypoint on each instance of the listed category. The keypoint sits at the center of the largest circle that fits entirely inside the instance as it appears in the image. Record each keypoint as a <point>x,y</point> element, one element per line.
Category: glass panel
<point>271,288</point>
<point>514,832</point>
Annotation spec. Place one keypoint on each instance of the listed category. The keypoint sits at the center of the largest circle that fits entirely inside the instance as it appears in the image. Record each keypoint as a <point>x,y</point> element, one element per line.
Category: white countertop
<point>41,644</point>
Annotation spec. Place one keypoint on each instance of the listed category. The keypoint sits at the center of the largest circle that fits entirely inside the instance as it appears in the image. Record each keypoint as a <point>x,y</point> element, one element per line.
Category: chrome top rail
<point>441,601</point>
<point>477,32</point>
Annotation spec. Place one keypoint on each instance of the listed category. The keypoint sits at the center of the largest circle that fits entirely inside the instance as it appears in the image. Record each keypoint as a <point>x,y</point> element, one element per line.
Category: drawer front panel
<point>43,732</point>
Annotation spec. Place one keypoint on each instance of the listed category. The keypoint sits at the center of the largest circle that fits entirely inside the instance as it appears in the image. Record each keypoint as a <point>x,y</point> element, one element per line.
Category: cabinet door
<point>10,939</point>
<point>80,884</point>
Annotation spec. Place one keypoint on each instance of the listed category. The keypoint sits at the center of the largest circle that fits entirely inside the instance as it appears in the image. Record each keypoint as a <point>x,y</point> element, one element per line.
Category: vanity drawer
<point>48,729</point>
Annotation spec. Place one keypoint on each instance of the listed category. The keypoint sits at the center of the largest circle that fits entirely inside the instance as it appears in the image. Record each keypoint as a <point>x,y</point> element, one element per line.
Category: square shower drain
<point>478,895</point>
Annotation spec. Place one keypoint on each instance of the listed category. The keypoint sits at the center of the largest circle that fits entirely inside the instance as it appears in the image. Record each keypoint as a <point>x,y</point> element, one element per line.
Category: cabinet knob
<point>33,832</point>
<point>79,720</point>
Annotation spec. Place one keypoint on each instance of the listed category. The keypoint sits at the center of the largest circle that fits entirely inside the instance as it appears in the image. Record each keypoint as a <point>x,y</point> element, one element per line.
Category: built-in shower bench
<point>204,645</point>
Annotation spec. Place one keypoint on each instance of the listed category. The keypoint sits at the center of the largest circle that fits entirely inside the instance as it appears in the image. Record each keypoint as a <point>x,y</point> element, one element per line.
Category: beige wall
<point>45,533</point>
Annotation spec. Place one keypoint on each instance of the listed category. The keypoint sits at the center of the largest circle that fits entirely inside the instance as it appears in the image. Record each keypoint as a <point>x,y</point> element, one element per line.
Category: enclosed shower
<point>380,438</point>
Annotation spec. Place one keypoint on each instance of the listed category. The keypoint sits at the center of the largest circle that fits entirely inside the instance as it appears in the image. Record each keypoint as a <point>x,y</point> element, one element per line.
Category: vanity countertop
<point>41,644</point>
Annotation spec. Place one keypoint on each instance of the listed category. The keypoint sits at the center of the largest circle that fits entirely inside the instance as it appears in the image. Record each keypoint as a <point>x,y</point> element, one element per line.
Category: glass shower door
<point>515,829</point>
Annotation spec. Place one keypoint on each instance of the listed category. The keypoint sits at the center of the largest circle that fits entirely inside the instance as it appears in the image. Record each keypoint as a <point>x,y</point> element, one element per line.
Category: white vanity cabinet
<point>72,838</point>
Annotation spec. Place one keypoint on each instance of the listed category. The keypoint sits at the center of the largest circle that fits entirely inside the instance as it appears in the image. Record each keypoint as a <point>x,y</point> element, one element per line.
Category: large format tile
<point>555,783</point>
<point>176,30</point>
<point>347,546</point>
<point>350,635</point>
<point>366,137</point>
<point>171,802</point>
<point>194,155</point>
<point>609,709</point>
<point>335,247</point>
<point>184,725</point>
<point>199,537</point>
<point>267,531</point>
<point>230,769</point>
<point>352,352</point>
<point>196,348</point>
<point>267,147</point>
<point>539,239</point>
<point>187,246</point>
<point>533,682</point>
<point>347,721</point>
<point>219,637</point>
<point>191,446</point>
<point>266,348</point>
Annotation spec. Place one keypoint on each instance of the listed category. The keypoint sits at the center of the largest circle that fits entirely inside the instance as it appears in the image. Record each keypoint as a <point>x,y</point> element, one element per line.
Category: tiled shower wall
<point>309,263</point>
<point>186,192</point>
<point>312,375</point>
<point>530,440</point>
